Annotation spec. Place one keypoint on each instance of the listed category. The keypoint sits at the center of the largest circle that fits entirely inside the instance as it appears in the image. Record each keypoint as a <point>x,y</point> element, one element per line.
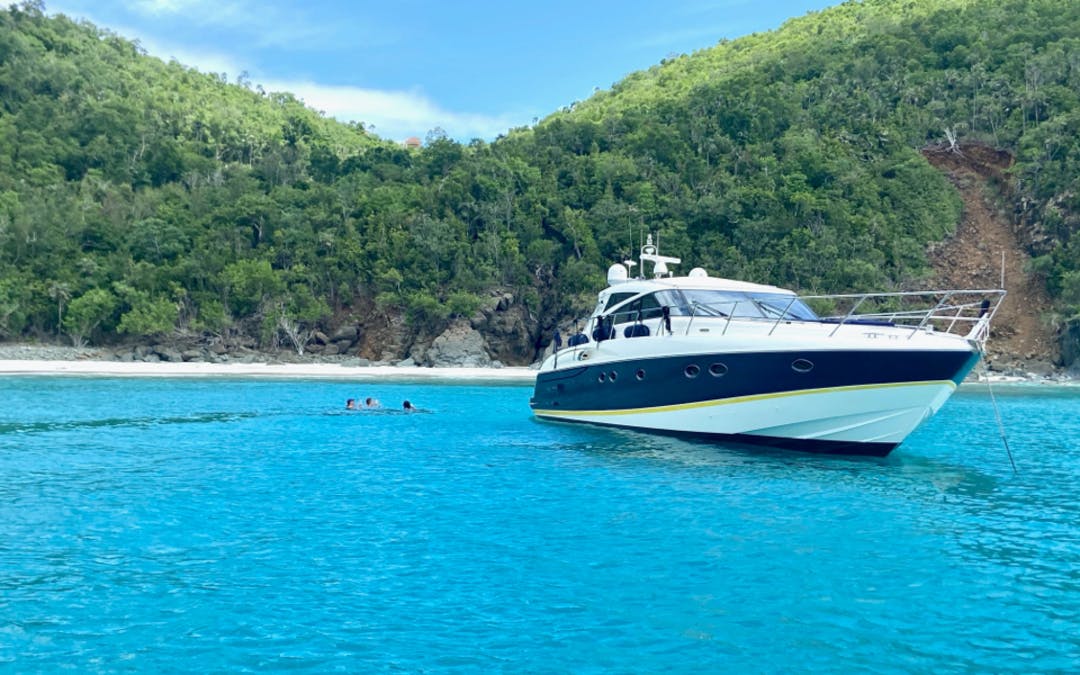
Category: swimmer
<point>408,407</point>
<point>350,404</point>
<point>372,402</point>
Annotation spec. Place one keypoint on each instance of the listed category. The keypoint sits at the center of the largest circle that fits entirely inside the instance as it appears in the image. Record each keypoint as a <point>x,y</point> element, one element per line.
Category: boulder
<point>169,354</point>
<point>505,324</point>
<point>192,355</point>
<point>460,345</point>
<point>346,333</point>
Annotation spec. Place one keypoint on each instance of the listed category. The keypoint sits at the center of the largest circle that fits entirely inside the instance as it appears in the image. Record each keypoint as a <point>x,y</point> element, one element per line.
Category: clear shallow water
<point>253,525</point>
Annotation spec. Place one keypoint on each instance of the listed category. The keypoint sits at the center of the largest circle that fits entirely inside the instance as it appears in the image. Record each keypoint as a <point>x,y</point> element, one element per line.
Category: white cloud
<point>282,26</point>
<point>393,114</point>
<point>396,115</point>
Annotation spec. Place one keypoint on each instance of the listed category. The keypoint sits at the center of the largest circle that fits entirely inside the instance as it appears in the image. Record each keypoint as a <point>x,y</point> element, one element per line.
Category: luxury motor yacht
<point>749,363</point>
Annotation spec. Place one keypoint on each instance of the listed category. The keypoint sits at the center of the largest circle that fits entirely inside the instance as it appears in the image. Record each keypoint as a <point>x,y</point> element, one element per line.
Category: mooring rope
<point>997,412</point>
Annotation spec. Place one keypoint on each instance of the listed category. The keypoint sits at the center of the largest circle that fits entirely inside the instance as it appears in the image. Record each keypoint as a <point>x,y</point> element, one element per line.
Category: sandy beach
<point>268,370</point>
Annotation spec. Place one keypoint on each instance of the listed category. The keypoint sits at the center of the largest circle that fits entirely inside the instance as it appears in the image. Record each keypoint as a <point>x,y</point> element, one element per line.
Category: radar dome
<point>617,274</point>
<point>698,273</point>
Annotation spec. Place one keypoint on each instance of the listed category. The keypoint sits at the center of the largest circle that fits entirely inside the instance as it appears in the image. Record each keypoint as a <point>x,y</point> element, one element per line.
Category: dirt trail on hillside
<point>972,258</point>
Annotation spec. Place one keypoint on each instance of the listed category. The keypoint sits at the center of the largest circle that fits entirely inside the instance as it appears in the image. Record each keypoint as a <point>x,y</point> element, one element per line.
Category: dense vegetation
<point>139,198</point>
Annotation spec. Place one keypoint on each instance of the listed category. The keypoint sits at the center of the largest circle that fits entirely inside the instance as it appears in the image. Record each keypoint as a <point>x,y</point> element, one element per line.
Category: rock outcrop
<point>460,345</point>
<point>504,323</point>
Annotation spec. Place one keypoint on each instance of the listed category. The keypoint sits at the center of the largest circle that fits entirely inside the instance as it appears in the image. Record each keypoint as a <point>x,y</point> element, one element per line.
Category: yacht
<point>741,362</point>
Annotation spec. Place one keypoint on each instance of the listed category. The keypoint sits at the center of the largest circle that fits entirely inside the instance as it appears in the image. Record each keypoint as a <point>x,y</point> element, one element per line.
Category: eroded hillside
<point>984,242</point>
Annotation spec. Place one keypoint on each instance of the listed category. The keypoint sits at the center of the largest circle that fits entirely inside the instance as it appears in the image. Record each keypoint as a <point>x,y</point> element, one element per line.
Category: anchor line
<point>997,412</point>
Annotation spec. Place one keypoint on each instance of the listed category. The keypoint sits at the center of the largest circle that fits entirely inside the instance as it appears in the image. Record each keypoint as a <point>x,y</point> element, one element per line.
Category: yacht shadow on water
<point>898,472</point>
<point>623,441</point>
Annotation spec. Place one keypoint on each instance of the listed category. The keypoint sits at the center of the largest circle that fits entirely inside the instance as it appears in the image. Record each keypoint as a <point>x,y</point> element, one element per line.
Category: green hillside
<point>793,156</point>
<point>141,199</point>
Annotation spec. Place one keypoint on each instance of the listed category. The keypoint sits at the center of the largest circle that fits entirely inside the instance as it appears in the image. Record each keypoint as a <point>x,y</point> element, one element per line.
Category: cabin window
<point>646,307</point>
<point>616,298</point>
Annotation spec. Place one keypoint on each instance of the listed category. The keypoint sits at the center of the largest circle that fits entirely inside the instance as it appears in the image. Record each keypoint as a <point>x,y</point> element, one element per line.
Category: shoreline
<point>44,360</point>
<point>322,371</point>
<point>22,359</point>
<point>89,367</point>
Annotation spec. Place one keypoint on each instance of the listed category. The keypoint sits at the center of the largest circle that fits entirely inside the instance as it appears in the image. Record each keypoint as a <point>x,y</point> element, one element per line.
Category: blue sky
<point>474,68</point>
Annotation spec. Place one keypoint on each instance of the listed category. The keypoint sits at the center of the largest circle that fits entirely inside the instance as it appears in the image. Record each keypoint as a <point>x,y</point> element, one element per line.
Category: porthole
<point>802,366</point>
<point>601,377</point>
<point>692,370</point>
<point>718,370</point>
<point>613,376</point>
<point>640,374</point>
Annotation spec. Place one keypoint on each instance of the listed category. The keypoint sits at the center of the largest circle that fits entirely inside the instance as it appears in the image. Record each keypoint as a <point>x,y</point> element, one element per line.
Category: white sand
<point>267,370</point>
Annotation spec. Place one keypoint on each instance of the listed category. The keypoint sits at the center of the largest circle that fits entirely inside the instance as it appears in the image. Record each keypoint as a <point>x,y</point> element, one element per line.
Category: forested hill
<point>795,156</point>
<point>141,200</point>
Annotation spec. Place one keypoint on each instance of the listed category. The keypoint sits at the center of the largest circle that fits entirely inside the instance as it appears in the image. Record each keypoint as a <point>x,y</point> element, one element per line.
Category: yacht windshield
<point>745,305</point>
<point>699,302</point>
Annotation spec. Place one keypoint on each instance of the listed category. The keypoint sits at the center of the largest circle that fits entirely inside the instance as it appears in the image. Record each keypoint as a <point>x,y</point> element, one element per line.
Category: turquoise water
<point>154,525</point>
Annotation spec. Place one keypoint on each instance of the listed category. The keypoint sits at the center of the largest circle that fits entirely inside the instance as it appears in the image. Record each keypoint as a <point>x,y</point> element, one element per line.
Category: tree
<point>250,284</point>
<point>61,293</point>
<point>299,317</point>
<point>87,312</point>
<point>148,317</point>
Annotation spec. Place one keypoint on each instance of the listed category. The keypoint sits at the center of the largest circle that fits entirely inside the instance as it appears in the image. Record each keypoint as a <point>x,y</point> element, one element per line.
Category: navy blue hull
<point>647,383</point>
<point>667,381</point>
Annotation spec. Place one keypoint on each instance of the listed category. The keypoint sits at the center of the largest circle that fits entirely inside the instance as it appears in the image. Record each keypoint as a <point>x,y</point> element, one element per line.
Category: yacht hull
<point>843,402</point>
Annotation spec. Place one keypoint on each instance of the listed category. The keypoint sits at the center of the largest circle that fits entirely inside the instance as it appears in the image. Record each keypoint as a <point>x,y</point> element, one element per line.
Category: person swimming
<point>408,407</point>
<point>351,404</point>
<point>370,402</point>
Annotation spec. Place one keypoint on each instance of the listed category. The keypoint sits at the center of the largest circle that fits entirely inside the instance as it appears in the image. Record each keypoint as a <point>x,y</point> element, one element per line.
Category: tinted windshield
<point>746,305</point>
<point>711,303</point>
<point>775,305</point>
